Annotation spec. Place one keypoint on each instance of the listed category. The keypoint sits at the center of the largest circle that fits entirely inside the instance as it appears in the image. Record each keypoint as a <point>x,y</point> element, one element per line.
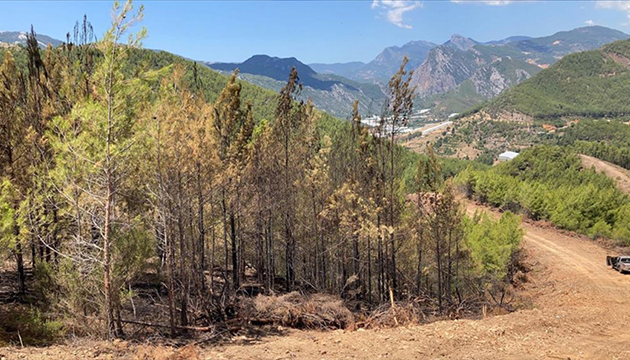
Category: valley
<point>449,78</point>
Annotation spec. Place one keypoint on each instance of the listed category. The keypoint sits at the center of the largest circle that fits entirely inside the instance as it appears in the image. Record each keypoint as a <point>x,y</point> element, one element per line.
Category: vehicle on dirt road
<point>619,263</point>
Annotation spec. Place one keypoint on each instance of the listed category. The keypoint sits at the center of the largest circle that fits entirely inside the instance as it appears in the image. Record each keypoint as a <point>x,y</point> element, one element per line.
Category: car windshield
<point>625,260</point>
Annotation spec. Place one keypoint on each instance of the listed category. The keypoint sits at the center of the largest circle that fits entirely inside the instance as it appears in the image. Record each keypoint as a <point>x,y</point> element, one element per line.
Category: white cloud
<point>590,22</point>
<point>488,2</point>
<point>394,10</point>
<point>623,6</point>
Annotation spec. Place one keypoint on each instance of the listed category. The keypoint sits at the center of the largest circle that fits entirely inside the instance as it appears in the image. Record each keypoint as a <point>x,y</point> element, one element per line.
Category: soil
<point>617,173</point>
<point>579,310</point>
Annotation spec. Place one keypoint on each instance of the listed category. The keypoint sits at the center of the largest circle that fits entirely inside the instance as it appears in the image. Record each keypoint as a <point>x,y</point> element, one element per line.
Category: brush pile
<point>387,316</point>
<point>298,311</point>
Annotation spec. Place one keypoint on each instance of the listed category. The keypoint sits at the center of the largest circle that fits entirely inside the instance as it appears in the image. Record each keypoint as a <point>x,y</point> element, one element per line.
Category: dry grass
<point>298,311</point>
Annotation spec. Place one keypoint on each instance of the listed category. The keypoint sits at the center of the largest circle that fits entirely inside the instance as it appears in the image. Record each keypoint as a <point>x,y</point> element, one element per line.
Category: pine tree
<point>13,166</point>
<point>397,110</point>
<point>95,148</point>
<point>288,117</point>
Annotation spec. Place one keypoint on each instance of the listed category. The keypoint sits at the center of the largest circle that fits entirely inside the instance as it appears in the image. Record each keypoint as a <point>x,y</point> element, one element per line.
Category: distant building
<point>507,156</point>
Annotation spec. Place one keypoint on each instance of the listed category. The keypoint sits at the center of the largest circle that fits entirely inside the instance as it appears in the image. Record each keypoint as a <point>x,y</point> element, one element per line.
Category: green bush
<point>493,244</point>
<point>28,326</point>
<point>600,230</point>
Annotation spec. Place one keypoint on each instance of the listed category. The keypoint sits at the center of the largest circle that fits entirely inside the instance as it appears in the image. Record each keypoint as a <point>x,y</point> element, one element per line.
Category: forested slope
<point>550,183</point>
<point>141,189</point>
<point>592,83</point>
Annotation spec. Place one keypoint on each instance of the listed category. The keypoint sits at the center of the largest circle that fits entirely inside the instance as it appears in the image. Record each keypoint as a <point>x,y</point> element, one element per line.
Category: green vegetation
<point>493,244</point>
<point>591,84</point>
<point>22,325</point>
<point>608,140</point>
<point>455,101</point>
<point>549,183</point>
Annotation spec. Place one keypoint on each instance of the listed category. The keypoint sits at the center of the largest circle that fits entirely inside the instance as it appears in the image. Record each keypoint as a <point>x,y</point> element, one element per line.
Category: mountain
<point>492,68</point>
<point>347,70</point>
<point>583,96</point>
<point>388,61</point>
<point>593,83</point>
<point>461,42</point>
<point>19,38</point>
<point>568,42</point>
<point>445,67</point>
<point>331,93</point>
<point>277,69</point>
<point>507,40</point>
<point>381,69</point>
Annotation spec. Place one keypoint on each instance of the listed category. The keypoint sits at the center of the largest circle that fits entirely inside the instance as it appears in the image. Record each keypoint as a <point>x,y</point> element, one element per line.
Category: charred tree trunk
<point>183,273</point>
<point>369,269</point>
<point>170,268</point>
<point>19,259</point>
<point>381,278</point>
<point>235,265</point>
<point>225,240</point>
<point>438,254</point>
<point>202,229</point>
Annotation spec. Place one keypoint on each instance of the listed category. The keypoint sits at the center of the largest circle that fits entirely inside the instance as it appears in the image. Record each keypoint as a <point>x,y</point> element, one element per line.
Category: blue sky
<point>318,31</point>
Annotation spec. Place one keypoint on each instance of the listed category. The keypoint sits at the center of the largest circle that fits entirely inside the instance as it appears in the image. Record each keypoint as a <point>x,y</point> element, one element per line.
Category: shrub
<point>493,244</point>
<point>600,230</point>
<point>19,325</point>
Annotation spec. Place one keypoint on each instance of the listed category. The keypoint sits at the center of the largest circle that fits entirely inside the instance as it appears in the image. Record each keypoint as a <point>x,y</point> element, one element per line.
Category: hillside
<point>571,313</point>
<point>331,93</point>
<point>592,83</point>
<point>620,175</point>
<point>496,66</point>
<point>19,38</point>
<point>580,101</point>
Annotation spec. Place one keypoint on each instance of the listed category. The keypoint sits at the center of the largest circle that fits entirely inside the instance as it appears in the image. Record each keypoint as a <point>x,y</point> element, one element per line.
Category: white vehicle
<point>619,263</point>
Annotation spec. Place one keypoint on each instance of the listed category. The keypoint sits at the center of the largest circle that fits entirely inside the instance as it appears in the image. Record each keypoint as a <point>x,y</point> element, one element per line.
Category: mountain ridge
<point>383,66</point>
<point>495,68</point>
<point>277,69</point>
<point>329,92</point>
<point>594,83</point>
<point>19,38</point>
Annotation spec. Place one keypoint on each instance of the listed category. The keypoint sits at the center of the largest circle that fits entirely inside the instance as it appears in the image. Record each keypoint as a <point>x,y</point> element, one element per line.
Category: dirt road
<point>580,310</point>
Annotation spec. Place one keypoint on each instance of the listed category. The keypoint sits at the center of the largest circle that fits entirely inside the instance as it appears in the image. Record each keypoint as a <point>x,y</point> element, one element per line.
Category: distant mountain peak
<point>461,42</point>
<point>278,69</point>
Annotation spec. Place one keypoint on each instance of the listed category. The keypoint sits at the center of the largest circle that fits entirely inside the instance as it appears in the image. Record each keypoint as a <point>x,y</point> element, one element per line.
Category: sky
<point>317,31</point>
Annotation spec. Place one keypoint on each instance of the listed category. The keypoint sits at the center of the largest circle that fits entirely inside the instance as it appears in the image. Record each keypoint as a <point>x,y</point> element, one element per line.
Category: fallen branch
<point>391,298</point>
<point>191,328</point>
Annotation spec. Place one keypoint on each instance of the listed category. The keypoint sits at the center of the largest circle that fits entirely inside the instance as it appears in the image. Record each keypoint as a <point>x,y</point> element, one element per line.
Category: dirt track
<point>581,310</point>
